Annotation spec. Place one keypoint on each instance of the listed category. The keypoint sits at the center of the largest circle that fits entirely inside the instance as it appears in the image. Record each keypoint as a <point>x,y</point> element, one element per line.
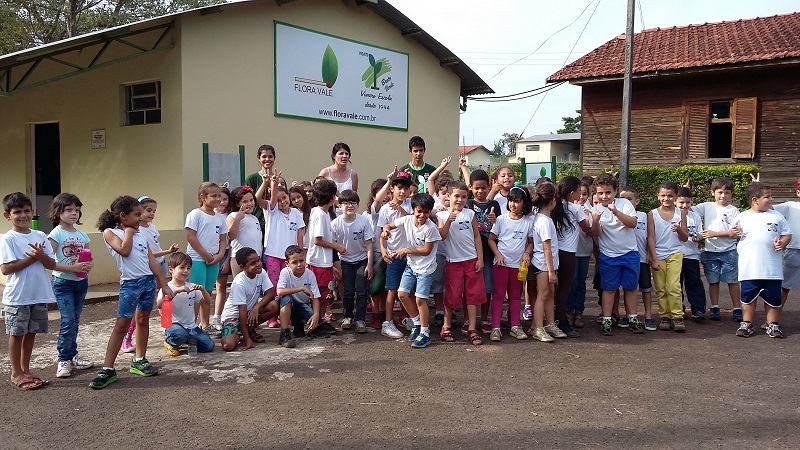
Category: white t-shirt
<point>791,211</point>
<point>501,200</point>
<point>208,228</point>
<point>641,235</point>
<point>308,280</point>
<point>137,264</point>
<point>249,234</point>
<point>30,285</point>
<point>544,229</point>
<point>717,218</point>
<point>416,238</point>
<point>460,244</point>
<point>568,241</point>
<point>245,291</point>
<point>512,238</point>
<point>615,238</point>
<point>319,225</point>
<point>667,241</point>
<point>70,244</point>
<point>695,226</point>
<point>282,231</point>
<point>150,233</point>
<point>585,240</point>
<point>388,215</point>
<point>183,305</point>
<point>353,236</point>
<point>758,259</point>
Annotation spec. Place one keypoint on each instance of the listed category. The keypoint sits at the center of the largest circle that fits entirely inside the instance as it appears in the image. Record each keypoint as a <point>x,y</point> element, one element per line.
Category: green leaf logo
<point>543,171</point>
<point>330,67</point>
<point>377,68</point>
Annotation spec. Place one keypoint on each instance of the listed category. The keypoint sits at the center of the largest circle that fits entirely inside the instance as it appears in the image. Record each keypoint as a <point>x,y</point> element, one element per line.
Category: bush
<point>564,169</point>
<point>647,179</point>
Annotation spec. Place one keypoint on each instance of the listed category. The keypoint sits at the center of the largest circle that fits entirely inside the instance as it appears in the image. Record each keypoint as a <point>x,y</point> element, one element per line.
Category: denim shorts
<point>394,273</point>
<point>769,290</point>
<point>24,319</point>
<point>138,294</point>
<point>414,282</point>
<point>620,271</point>
<point>791,269</point>
<point>720,267</point>
<point>300,310</point>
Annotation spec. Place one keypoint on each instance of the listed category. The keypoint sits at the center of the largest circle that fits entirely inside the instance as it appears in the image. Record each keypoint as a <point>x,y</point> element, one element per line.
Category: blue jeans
<point>693,284</point>
<point>301,311</point>
<point>70,295</point>
<point>355,289</point>
<point>178,335</point>
<point>577,295</point>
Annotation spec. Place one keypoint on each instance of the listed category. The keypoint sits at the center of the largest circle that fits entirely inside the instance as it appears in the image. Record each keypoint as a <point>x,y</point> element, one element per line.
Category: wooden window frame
<point>695,128</point>
<point>147,113</point>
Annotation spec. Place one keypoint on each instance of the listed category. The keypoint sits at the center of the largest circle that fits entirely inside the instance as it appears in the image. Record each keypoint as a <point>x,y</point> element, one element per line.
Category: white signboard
<point>98,138</point>
<point>324,77</point>
<point>534,171</point>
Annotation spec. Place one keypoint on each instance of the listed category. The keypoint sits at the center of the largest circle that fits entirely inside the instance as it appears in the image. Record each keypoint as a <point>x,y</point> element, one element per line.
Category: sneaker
<point>217,322</point>
<point>713,313</point>
<point>605,328</point>
<point>540,334</point>
<point>64,369</point>
<point>650,325</point>
<point>397,306</point>
<point>361,327</point>
<point>636,326</point>
<point>486,327</point>
<point>127,346</point>
<point>745,329</point>
<point>527,313</point>
<point>273,323</point>
<point>375,321</point>
<point>389,330</point>
<point>578,321</point>
<point>143,367</point>
<point>737,314</point>
<point>408,323</point>
<point>285,340</point>
<point>568,330</point>
<point>698,315</point>
<point>104,378</point>
<point>438,319</point>
<point>80,363</point>
<point>678,325</point>
<point>553,330</point>
<point>774,331</point>
<point>517,333</point>
<point>496,335</point>
<point>347,323</point>
<point>320,332</point>
<point>465,327</point>
<point>764,326</point>
<point>212,331</point>
<point>298,330</point>
<point>415,331</point>
<point>328,328</point>
<point>623,323</point>
<point>421,341</point>
<point>172,350</point>
<point>665,324</point>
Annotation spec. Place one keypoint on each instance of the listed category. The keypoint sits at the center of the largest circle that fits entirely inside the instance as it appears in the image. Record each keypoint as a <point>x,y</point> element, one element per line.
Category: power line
<point>641,14</point>
<point>542,90</point>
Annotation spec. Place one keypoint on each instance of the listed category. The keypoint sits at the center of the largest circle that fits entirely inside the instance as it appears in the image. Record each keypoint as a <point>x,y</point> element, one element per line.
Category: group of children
<point>291,251</point>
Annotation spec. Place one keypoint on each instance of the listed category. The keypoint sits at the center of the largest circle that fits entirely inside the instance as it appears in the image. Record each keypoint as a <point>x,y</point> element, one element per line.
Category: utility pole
<point>625,147</point>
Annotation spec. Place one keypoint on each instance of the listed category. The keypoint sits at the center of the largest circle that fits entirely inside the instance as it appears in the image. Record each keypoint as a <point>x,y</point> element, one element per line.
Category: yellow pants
<point>667,282</point>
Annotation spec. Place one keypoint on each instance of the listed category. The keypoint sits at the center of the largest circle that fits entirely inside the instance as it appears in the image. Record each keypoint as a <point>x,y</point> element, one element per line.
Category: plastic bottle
<point>166,313</point>
<point>192,343</point>
<point>522,275</point>
<point>84,256</point>
<point>35,223</point>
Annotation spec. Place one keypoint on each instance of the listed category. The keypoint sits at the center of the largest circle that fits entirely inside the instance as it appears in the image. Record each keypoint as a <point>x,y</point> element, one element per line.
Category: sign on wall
<point>323,77</point>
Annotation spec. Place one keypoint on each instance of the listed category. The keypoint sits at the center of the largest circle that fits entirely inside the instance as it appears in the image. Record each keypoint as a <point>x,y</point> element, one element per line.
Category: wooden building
<point>710,94</point>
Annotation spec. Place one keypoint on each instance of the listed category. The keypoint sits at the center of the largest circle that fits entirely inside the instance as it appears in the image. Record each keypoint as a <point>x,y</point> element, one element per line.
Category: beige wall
<point>539,156</point>
<point>478,157</point>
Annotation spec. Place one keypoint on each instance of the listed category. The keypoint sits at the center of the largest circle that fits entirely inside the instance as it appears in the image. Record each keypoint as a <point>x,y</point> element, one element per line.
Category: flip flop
<point>29,383</point>
<point>40,381</point>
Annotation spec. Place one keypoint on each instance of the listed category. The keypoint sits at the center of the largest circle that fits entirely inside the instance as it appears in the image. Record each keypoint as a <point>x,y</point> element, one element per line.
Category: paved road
<point>705,388</point>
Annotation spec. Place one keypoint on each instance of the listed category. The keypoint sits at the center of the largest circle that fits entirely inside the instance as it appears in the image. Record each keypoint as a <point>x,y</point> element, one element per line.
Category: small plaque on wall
<point>98,138</point>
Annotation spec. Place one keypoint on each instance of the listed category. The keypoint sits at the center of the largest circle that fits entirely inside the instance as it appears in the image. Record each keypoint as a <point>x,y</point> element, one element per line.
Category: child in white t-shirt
<point>791,256</point>
<point>542,273</point>
<point>631,194</point>
<point>690,270</point>
<point>421,236</point>
<point>186,301</point>
<point>576,302</point>
<point>285,227</point>
<point>763,234</point>
<point>244,228</point>
<point>299,297</point>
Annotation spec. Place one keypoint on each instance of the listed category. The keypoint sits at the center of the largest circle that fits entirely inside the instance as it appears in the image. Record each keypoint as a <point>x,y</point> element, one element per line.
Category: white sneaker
<point>408,323</point>
<point>217,322</point>
<point>80,363</point>
<point>389,330</point>
<point>347,323</point>
<point>64,369</point>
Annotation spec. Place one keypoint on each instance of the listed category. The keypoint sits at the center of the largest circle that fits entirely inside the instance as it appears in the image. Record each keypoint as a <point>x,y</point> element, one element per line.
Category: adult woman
<point>338,172</point>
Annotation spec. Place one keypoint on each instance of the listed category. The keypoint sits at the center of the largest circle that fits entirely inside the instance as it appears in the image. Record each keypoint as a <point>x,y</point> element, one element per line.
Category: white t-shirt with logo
<point>353,236</point>
<point>137,264</point>
<point>544,229</point>
<point>183,305</point>
<point>641,235</point>
<point>568,240</point>
<point>695,226</point>
<point>615,238</point>
<point>388,215</point>
<point>319,225</point>
<point>249,234</point>
<point>30,285</point>
<point>512,238</point>
<point>460,244</point>
<point>208,228</point>
<point>758,259</point>
<point>287,280</point>
<point>150,232</point>
<point>717,218</point>
<point>416,238</point>
<point>245,291</point>
<point>282,231</point>
<point>791,211</point>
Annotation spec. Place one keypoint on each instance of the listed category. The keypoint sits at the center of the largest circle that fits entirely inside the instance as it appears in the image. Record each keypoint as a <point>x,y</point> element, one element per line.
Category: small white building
<point>541,148</point>
<point>477,155</point>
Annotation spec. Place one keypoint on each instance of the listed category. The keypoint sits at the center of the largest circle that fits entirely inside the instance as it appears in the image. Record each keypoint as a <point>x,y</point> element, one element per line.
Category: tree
<point>30,23</point>
<point>507,145</point>
<point>571,124</point>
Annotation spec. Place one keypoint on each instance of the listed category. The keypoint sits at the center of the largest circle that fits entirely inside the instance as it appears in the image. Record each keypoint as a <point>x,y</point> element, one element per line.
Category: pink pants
<point>505,281</point>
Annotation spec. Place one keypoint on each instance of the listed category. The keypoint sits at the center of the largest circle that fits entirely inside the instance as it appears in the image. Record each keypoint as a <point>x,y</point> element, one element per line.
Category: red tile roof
<point>692,46</point>
<point>465,149</point>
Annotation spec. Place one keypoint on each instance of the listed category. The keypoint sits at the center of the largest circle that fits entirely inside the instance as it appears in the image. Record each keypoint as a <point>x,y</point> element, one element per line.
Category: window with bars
<point>142,103</point>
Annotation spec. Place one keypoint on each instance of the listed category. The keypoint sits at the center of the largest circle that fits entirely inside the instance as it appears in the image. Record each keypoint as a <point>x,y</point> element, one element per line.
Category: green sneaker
<point>142,367</point>
<point>605,328</point>
<point>104,378</point>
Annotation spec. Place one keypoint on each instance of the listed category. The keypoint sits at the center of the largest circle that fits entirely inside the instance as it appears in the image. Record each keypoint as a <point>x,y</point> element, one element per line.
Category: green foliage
<point>564,169</point>
<point>507,145</point>
<point>571,124</point>
<point>647,179</point>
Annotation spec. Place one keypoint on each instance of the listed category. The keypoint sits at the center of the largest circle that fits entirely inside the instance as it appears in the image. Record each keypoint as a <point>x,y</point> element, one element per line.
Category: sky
<point>490,34</point>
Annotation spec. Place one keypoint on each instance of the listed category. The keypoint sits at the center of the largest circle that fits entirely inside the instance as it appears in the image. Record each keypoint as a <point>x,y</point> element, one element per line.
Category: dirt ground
<point>702,389</point>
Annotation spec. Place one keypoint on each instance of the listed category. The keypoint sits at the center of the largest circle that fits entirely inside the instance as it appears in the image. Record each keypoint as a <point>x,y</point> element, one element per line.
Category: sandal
<point>30,383</point>
<point>474,337</point>
<point>258,338</point>
<point>447,335</point>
